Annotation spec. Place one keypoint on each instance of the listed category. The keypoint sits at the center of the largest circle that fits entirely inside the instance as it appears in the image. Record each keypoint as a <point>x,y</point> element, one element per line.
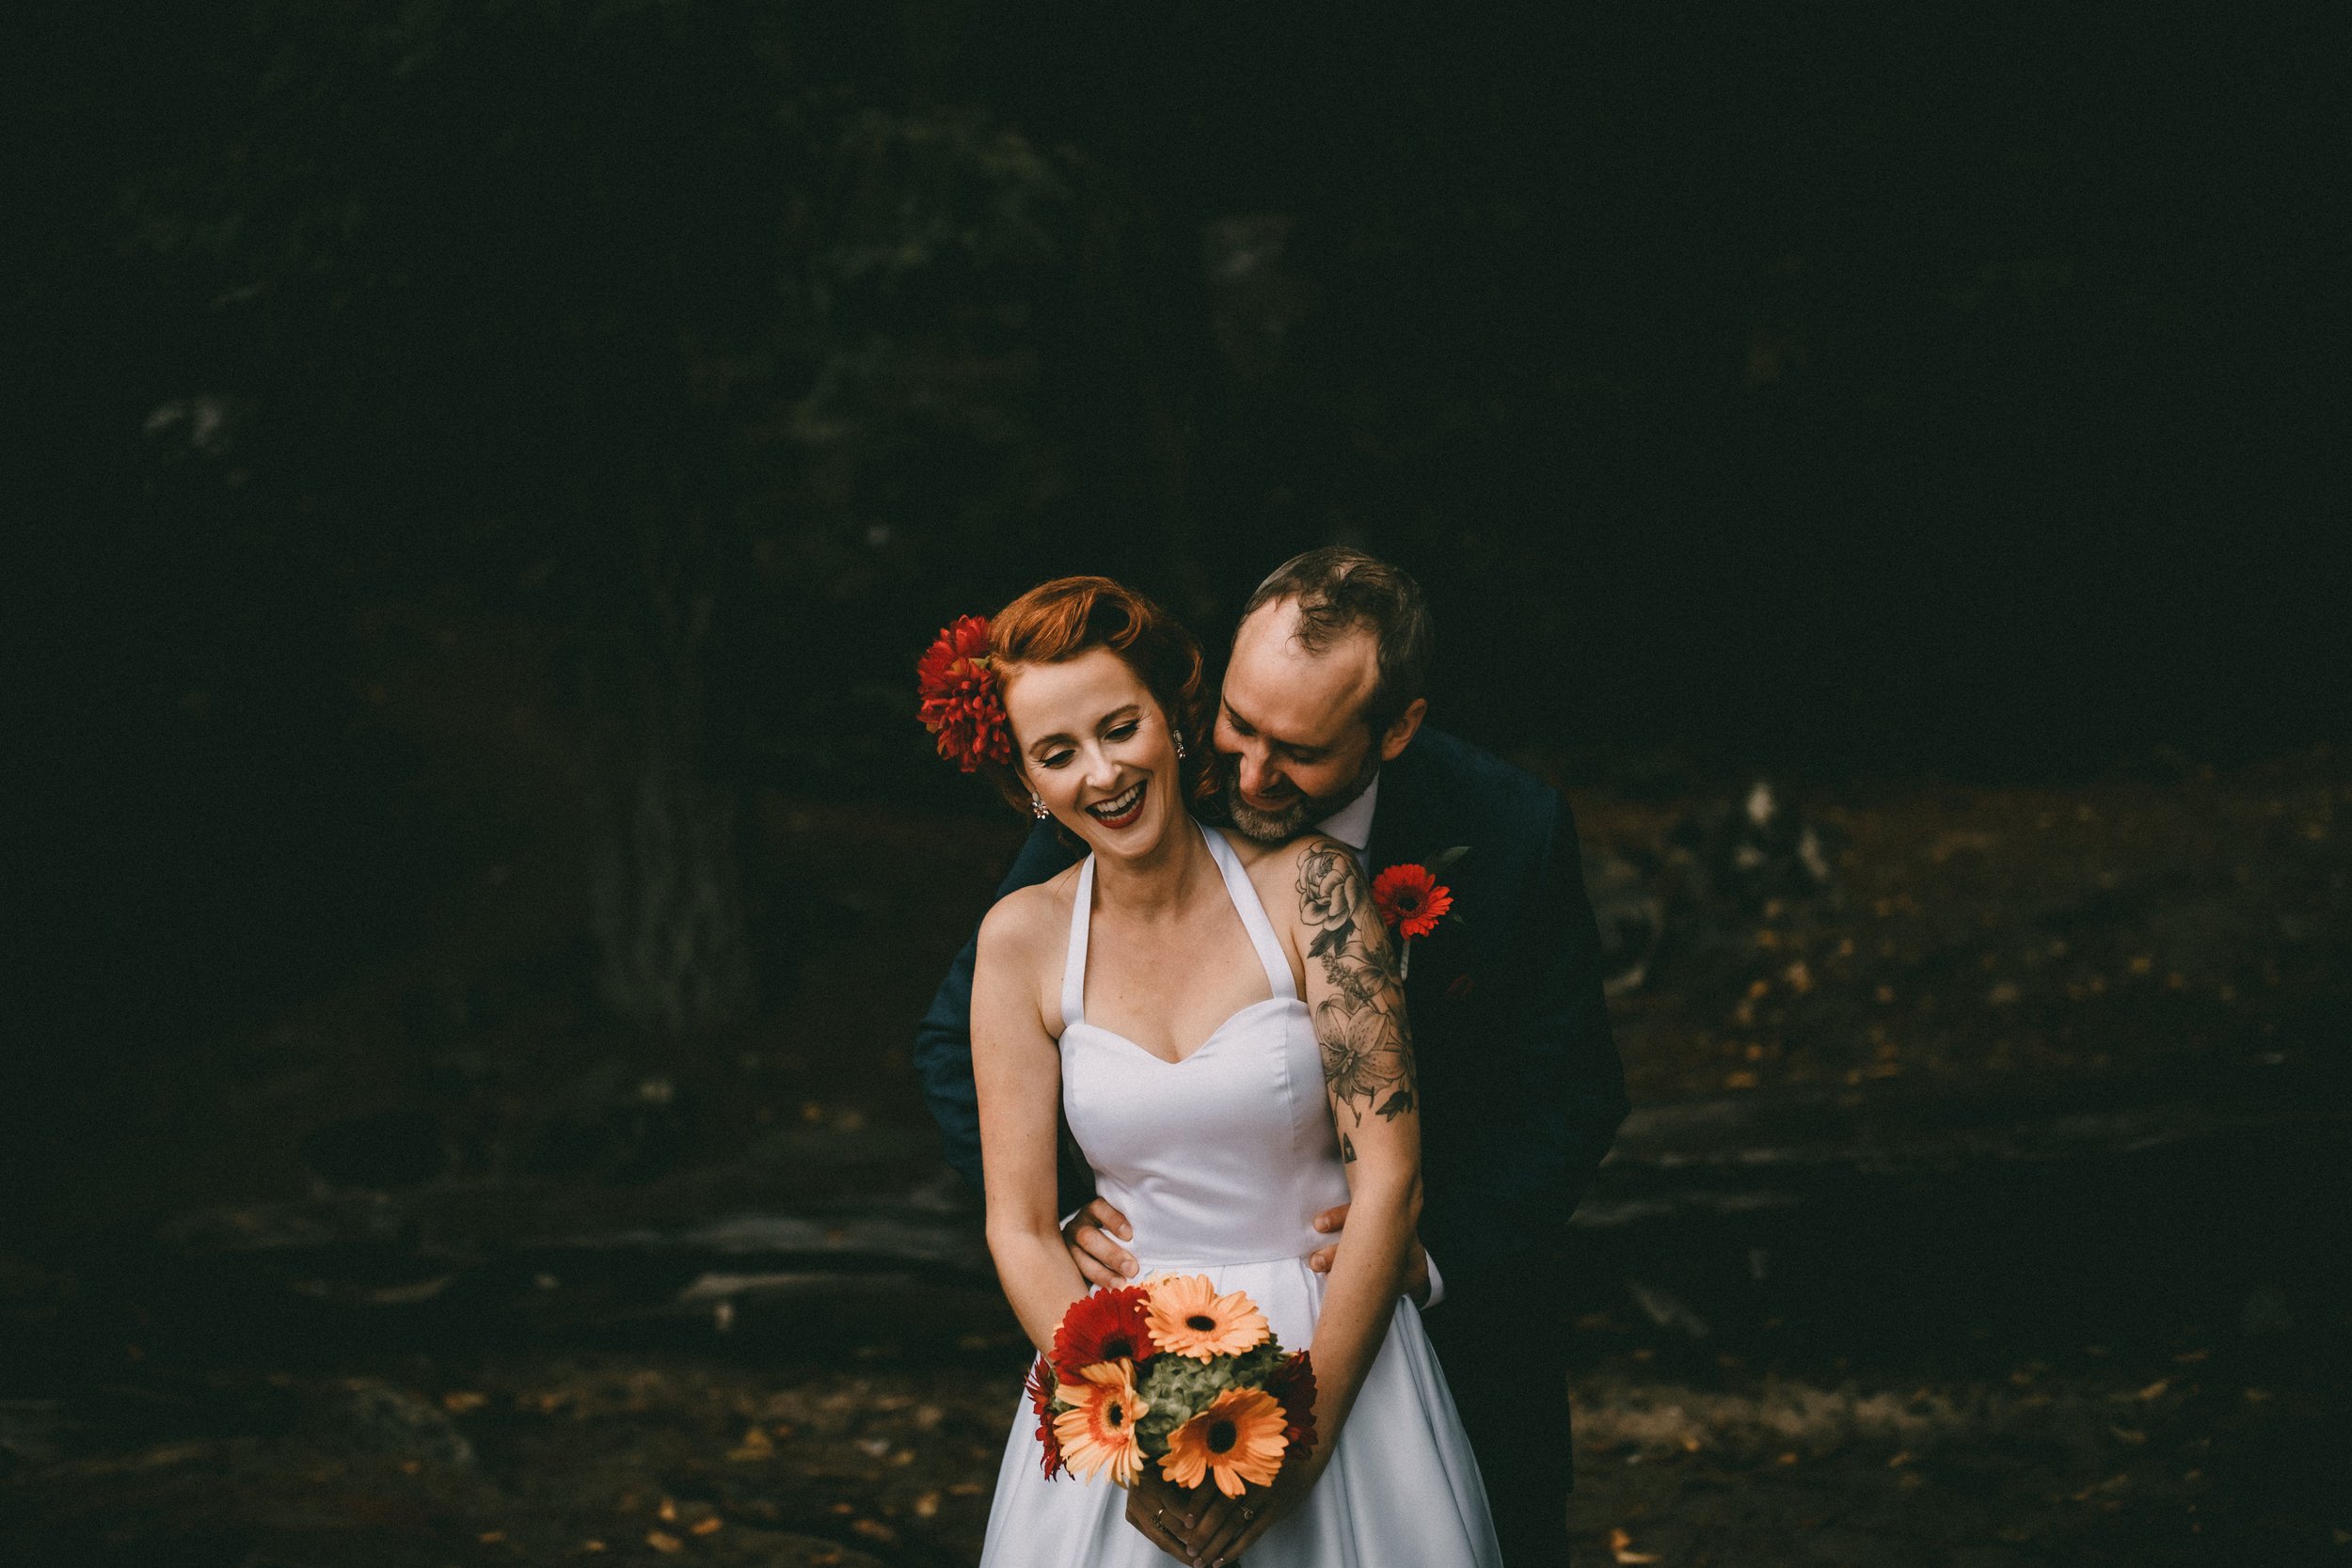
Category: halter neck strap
<point>1243,894</point>
<point>1074,968</point>
<point>1238,888</point>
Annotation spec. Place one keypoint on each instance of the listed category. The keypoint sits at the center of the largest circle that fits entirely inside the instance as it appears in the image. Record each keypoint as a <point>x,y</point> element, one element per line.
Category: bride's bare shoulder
<point>1027,921</point>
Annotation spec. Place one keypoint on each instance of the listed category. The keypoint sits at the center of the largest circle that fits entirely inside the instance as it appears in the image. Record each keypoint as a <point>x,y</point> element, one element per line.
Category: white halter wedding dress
<point>1220,1162</point>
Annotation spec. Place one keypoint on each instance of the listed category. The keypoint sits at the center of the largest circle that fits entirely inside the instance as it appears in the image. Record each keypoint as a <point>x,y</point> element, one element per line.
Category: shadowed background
<point>499,461</point>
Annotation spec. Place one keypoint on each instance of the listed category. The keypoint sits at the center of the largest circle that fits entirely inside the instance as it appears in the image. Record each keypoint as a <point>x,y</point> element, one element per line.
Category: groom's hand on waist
<point>1416,1256</point>
<point>1092,1235</point>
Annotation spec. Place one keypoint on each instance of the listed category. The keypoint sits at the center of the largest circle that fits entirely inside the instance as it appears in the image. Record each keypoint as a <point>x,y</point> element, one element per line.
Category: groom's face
<point>1289,724</point>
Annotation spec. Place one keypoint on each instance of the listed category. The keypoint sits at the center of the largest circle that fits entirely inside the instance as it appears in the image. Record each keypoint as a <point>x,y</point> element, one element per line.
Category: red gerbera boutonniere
<point>957,680</point>
<point>1411,901</point>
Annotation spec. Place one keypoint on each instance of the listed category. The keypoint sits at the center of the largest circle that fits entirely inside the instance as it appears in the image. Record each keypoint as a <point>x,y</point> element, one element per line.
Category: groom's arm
<point>1559,1090</point>
<point>1571,1076</point>
<point>1558,1094</point>
<point>942,1041</point>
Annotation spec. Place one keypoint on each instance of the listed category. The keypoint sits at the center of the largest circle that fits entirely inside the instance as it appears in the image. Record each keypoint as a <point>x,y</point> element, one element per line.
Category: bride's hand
<point>1229,1525</point>
<point>1157,1511</point>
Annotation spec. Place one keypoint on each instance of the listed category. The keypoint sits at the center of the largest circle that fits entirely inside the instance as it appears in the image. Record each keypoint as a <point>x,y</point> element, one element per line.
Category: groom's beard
<point>1304,811</point>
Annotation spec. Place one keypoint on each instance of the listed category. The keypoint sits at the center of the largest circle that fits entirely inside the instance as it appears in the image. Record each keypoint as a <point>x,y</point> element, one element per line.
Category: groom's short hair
<point>1338,589</point>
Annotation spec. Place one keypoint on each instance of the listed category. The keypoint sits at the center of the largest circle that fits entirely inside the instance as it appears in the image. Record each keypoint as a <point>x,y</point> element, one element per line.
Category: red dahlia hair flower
<point>1293,1383</point>
<point>957,680</point>
<point>1042,1401</point>
<point>1410,900</point>
<point>1108,1325</point>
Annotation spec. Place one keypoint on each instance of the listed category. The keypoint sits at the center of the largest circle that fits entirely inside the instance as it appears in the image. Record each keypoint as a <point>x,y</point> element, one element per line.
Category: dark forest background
<point>488,468</point>
<point>462,426</point>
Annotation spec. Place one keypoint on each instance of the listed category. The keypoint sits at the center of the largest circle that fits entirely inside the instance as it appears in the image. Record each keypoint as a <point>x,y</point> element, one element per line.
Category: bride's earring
<point>1180,747</point>
<point>1037,807</point>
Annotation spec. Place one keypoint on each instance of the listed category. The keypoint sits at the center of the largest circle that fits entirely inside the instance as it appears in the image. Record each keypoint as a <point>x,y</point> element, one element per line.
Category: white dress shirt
<point>1352,823</point>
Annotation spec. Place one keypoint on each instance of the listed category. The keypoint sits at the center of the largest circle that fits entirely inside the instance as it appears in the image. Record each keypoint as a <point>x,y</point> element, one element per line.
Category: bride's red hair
<point>1056,620</point>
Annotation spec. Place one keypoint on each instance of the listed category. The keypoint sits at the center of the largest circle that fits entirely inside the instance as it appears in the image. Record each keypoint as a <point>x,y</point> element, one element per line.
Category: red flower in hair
<point>1042,1401</point>
<point>961,703</point>
<point>1293,1385</point>
<point>1410,900</point>
<point>1106,1326</point>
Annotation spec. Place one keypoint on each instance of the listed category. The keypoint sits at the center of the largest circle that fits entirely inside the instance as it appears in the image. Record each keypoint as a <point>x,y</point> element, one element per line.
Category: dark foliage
<point>1865,388</point>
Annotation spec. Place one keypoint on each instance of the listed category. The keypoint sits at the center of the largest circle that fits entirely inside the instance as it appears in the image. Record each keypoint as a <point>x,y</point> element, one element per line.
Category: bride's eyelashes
<point>1116,734</point>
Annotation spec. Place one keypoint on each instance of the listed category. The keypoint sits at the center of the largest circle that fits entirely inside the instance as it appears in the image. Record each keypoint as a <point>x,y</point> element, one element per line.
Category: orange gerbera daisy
<point>1099,1429</point>
<point>1237,1439</point>
<point>1189,1318</point>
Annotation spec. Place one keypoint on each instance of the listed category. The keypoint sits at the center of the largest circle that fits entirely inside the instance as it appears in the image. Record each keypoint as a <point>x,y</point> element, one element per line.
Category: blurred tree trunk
<point>666,899</point>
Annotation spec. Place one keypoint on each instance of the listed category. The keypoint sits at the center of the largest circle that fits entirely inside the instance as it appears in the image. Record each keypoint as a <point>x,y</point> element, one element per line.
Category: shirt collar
<point>1352,823</point>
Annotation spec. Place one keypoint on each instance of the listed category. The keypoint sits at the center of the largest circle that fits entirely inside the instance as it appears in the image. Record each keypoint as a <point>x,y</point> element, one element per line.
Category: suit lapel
<point>1398,821</point>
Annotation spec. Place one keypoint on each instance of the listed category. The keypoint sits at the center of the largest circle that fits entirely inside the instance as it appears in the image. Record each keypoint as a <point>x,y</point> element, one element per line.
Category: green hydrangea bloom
<point>1181,1388</point>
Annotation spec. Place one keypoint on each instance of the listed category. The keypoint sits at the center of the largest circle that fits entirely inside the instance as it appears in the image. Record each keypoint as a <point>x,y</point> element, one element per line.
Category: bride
<point>1221,1024</point>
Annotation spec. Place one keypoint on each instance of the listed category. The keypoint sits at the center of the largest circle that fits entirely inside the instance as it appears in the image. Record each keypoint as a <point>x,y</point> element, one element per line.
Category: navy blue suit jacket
<point>1521,1089</point>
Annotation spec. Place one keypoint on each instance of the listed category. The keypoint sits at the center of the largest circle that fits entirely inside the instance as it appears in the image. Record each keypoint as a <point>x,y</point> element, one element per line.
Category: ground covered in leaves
<point>1977,1208</point>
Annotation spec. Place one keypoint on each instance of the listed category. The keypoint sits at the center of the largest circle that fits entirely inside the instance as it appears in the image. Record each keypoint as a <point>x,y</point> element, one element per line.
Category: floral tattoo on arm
<point>1367,1047</point>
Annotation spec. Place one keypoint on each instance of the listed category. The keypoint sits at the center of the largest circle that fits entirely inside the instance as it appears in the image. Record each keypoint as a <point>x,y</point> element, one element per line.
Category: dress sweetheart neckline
<point>1207,1041</point>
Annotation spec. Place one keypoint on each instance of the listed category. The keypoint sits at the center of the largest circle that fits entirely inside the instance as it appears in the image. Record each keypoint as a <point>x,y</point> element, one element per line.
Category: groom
<point>1319,727</point>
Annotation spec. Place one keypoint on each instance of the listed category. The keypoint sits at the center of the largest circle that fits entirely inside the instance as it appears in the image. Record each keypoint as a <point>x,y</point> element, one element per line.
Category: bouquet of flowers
<point>1172,1372</point>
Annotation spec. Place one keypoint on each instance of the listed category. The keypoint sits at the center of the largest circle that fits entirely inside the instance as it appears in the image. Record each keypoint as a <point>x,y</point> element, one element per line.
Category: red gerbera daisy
<point>1042,1401</point>
<point>1108,1325</point>
<point>960,702</point>
<point>1293,1383</point>
<point>1410,900</point>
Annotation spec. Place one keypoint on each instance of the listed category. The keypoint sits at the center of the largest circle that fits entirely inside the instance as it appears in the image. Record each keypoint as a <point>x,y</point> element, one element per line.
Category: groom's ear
<point>1401,733</point>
